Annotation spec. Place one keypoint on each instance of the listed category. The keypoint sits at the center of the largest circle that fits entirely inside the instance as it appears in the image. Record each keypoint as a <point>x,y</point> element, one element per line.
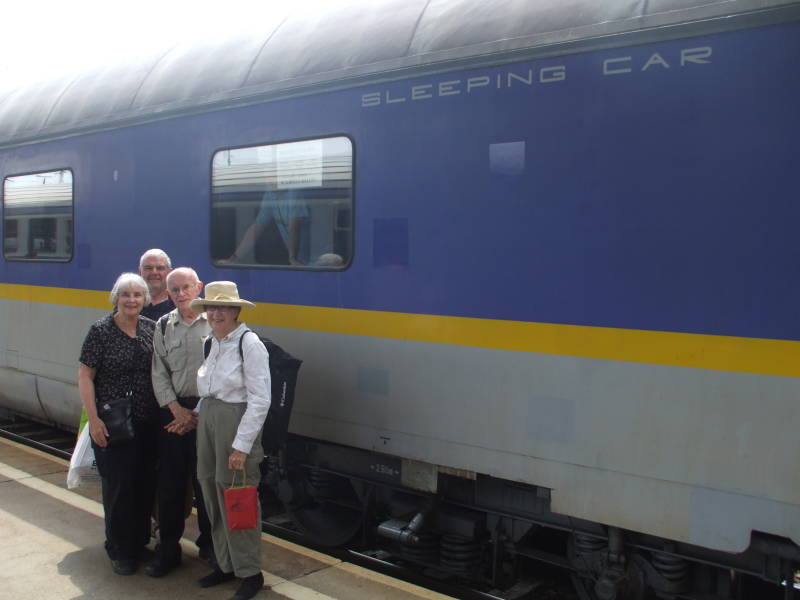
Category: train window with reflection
<point>37,216</point>
<point>283,205</point>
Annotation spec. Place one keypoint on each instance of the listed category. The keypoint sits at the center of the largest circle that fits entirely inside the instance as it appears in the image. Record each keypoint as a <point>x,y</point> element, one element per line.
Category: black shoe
<point>125,566</point>
<point>250,587</point>
<point>161,565</point>
<point>214,578</point>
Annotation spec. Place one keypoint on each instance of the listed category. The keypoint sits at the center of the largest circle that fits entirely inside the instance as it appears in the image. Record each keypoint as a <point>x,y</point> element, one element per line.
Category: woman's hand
<point>98,432</point>
<point>236,460</point>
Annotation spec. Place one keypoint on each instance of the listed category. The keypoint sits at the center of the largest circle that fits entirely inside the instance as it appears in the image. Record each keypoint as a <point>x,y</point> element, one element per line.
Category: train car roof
<point>351,44</point>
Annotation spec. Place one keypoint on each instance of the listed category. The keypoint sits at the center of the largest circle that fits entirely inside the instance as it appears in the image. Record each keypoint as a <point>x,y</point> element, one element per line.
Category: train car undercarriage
<point>492,534</point>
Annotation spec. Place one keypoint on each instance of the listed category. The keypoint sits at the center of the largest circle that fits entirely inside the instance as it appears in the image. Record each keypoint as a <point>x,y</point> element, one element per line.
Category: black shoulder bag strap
<point>207,345</point>
<point>162,323</point>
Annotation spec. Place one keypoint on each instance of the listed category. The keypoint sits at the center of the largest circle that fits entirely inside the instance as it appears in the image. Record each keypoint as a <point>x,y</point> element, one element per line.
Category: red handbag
<point>241,505</point>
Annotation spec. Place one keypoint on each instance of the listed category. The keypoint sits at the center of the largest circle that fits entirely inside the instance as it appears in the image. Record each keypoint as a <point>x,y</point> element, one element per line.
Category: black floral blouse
<point>122,364</point>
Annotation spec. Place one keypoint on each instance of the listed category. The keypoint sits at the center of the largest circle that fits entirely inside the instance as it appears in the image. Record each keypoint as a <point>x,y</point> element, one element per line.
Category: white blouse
<point>221,376</point>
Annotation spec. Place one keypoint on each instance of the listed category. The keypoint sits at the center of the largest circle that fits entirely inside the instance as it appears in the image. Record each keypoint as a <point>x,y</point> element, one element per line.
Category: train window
<point>37,216</point>
<point>283,205</point>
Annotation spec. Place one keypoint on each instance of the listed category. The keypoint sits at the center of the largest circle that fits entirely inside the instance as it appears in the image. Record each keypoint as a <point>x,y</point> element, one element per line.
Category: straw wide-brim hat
<point>220,293</point>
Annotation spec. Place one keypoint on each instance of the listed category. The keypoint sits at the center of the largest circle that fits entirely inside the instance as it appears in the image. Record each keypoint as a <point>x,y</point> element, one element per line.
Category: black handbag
<point>117,415</point>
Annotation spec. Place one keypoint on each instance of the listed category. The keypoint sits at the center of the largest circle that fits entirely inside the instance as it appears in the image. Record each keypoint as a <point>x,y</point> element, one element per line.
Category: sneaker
<point>250,587</point>
<point>214,578</point>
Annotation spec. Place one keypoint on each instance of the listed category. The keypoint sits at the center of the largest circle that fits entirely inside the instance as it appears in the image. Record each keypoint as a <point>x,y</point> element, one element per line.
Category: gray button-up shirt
<point>176,357</point>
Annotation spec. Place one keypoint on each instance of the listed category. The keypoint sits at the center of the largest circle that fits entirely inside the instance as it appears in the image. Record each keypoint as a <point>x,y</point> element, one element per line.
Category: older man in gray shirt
<point>177,354</point>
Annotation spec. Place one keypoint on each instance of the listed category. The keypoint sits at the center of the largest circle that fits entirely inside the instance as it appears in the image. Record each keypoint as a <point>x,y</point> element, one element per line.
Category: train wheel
<point>332,513</point>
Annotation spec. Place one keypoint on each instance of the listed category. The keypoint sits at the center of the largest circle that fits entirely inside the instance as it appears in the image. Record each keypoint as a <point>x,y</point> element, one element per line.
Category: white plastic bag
<point>82,466</point>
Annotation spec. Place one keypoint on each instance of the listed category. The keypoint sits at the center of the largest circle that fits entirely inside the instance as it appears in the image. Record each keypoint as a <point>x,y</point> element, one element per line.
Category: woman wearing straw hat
<point>235,398</point>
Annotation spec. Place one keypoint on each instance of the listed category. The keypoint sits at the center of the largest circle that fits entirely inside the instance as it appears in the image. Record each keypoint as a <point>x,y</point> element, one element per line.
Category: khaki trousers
<point>236,551</point>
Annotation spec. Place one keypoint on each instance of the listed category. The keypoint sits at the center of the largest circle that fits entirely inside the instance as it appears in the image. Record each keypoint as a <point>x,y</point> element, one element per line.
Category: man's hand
<point>184,420</point>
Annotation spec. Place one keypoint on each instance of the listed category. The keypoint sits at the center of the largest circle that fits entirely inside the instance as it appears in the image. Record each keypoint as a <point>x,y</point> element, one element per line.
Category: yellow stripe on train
<point>725,353</point>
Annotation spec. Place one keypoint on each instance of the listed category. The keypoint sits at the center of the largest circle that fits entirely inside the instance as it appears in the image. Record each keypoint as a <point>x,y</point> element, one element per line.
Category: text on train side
<point>615,66</point>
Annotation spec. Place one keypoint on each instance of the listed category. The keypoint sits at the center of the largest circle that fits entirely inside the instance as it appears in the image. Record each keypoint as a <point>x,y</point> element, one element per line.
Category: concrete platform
<point>51,548</point>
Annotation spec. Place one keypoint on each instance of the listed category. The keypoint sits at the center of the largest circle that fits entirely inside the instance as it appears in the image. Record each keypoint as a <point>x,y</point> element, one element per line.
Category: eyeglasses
<point>184,288</point>
<point>219,308</point>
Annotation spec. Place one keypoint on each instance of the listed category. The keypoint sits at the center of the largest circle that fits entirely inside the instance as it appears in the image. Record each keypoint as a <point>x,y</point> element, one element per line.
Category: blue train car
<point>545,293</point>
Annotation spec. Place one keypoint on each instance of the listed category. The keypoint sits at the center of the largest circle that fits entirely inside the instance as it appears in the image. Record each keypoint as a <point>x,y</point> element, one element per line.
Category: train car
<point>547,292</point>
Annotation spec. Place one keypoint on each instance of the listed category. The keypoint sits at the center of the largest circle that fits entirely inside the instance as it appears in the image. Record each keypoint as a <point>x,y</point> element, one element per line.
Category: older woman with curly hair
<point>115,363</point>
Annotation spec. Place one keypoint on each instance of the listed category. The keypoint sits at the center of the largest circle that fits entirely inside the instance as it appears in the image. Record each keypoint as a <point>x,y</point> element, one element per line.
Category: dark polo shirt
<point>155,311</point>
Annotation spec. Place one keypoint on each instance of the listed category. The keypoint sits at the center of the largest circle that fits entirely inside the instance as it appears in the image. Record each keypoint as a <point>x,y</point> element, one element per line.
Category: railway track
<point>377,560</point>
<point>36,435</point>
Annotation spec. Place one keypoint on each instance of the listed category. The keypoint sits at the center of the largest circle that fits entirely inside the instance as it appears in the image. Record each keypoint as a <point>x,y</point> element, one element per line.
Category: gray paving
<point>51,548</point>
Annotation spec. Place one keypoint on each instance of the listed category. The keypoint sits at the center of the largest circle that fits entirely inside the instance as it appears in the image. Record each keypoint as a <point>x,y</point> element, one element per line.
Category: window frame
<point>72,219</point>
<point>304,268</point>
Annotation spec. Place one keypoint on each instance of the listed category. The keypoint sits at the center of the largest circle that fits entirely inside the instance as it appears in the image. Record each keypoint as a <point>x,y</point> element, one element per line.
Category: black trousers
<point>177,468</point>
<point>128,479</point>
